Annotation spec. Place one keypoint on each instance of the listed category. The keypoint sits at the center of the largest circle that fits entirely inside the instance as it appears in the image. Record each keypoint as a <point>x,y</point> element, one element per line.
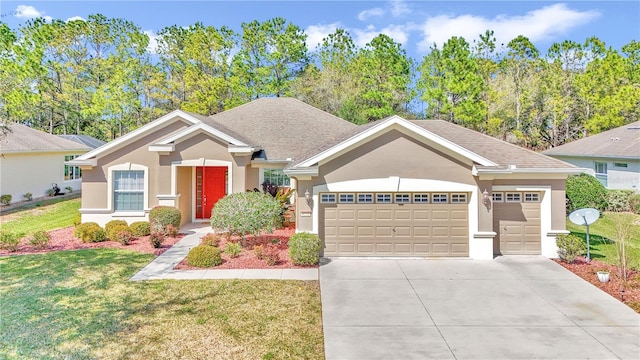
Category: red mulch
<point>63,239</point>
<point>247,258</point>
<point>616,284</point>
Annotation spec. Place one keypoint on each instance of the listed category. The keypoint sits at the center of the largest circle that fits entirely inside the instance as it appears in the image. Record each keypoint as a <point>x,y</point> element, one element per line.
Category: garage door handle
<point>393,229</point>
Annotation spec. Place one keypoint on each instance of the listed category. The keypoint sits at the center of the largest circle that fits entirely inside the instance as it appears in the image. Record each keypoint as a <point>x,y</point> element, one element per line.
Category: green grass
<point>46,217</point>
<point>602,235</point>
<point>80,305</point>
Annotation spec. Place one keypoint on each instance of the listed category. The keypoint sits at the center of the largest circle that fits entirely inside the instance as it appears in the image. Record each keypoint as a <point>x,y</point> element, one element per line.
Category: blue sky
<point>415,24</point>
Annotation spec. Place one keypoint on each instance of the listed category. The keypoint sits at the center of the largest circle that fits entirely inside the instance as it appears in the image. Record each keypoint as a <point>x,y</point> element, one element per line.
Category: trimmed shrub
<point>27,196</point>
<point>635,203</point>
<point>5,199</point>
<point>112,232</point>
<point>162,216</point>
<point>156,239</point>
<point>90,232</point>
<point>210,240</point>
<point>40,239</point>
<point>304,248</point>
<point>140,228</point>
<point>123,236</point>
<point>585,191</point>
<point>9,241</point>
<point>77,220</point>
<point>113,223</point>
<point>570,247</point>
<point>204,256</point>
<point>233,249</point>
<point>271,254</point>
<point>246,213</point>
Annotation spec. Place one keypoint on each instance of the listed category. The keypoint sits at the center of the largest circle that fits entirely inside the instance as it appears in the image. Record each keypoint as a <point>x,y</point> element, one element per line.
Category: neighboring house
<point>32,160</point>
<point>612,156</point>
<point>389,188</point>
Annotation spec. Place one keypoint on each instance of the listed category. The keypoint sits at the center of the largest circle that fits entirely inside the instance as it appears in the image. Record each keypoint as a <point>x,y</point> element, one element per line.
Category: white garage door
<point>395,224</point>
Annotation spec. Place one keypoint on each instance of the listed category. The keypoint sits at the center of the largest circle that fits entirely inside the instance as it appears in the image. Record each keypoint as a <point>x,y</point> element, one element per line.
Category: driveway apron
<point>507,308</point>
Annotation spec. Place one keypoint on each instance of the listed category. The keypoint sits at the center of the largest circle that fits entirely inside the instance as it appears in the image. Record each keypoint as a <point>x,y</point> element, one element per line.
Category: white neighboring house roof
<point>16,138</point>
<point>87,140</point>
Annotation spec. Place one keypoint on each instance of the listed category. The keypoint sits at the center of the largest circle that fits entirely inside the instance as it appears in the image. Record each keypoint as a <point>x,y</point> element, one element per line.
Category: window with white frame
<point>328,198</point>
<point>276,177</point>
<point>458,198</point>
<point>71,172</point>
<point>383,198</point>
<point>497,197</point>
<point>620,165</point>
<point>531,197</point>
<point>420,198</point>
<point>439,198</point>
<point>347,198</point>
<point>402,198</point>
<point>365,198</point>
<point>128,190</point>
<point>601,168</point>
<point>513,197</point>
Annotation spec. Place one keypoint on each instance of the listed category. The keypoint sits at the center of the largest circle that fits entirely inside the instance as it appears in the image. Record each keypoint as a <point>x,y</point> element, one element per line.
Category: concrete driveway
<point>507,308</point>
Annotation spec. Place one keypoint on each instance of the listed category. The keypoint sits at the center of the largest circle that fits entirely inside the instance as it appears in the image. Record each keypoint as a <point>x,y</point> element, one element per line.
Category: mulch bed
<point>628,293</point>
<point>63,239</point>
<point>248,259</point>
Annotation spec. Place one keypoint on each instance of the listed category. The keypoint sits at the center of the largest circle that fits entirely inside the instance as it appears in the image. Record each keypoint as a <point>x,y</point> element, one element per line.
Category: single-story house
<point>612,156</point>
<point>31,161</point>
<point>393,187</point>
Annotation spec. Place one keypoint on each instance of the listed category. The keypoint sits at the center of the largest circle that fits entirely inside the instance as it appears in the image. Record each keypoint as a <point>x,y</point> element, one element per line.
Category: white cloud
<point>399,8</point>
<point>315,34</point>
<point>74,18</point>
<point>540,24</point>
<point>367,14</point>
<point>152,48</point>
<point>399,33</point>
<point>29,12</point>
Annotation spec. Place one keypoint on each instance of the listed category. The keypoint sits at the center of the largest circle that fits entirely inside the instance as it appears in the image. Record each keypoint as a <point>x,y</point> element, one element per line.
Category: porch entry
<point>211,186</point>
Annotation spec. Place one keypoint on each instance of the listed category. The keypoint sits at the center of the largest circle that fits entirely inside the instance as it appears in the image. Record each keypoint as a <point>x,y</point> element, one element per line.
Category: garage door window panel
<point>383,198</point>
<point>531,197</point>
<point>497,197</point>
<point>458,198</point>
<point>440,198</point>
<point>512,197</point>
<point>365,198</point>
<point>403,198</point>
<point>421,198</point>
<point>328,198</point>
<point>347,198</point>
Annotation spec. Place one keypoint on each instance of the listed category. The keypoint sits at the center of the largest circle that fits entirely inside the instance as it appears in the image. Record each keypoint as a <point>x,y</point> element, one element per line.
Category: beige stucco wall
<point>34,173</point>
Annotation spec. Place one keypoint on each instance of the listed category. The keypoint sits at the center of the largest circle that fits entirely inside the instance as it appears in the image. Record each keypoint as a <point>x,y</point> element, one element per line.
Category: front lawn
<point>602,236</point>
<point>47,217</point>
<point>80,305</point>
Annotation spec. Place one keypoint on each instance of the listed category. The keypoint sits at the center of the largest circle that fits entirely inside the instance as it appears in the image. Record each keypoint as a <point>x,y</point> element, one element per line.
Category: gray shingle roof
<point>86,140</point>
<point>621,142</point>
<point>497,151</point>
<point>280,126</point>
<point>16,138</point>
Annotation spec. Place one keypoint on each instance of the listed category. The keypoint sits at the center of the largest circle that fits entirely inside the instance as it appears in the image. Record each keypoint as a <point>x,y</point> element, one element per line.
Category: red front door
<point>211,186</point>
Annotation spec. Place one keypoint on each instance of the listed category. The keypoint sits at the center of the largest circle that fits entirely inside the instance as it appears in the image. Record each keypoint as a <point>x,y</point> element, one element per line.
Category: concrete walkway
<point>162,266</point>
<point>507,308</point>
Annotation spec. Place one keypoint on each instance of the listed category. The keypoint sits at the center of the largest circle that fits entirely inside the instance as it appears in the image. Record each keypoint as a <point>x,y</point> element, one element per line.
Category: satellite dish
<point>584,217</point>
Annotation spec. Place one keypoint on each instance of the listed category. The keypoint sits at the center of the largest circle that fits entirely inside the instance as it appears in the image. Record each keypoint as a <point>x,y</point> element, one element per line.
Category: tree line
<point>99,77</point>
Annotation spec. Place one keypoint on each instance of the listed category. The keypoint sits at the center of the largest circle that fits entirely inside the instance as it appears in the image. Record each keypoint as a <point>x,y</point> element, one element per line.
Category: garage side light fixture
<point>485,197</point>
<point>307,197</point>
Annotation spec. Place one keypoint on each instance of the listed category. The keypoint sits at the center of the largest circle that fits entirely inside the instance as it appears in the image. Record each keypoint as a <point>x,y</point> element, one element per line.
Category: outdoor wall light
<point>485,197</point>
<point>307,197</point>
